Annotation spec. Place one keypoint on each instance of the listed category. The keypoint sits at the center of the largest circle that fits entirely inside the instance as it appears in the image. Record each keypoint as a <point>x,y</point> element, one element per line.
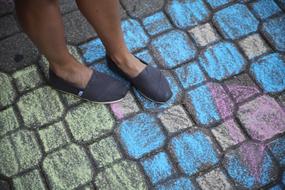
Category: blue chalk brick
<point>140,135</point>
<point>235,21</point>
<point>147,57</point>
<point>190,75</point>
<point>241,174</point>
<point>187,13</point>
<point>277,187</point>
<point>222,60</point>
<point>217,3</point>
<point>265,8</point>
<point>204,106</point>
<point>93,51</point>
<point>134,35</point>
<point>173,48</point>
<point>181,183</point>
<point>269,71</point>
<point>274,30</point>
<point>278,149</point>
<point>102,67</point>
<point>283,177</point>
<point>156,23</point>
<point>152,106</point>
<point>158,167</point>
<point>193,152</point>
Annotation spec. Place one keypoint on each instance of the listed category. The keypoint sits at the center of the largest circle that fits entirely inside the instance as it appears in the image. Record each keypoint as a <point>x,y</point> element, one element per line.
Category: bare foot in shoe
<point>72,71</point>
<point>129,64</point>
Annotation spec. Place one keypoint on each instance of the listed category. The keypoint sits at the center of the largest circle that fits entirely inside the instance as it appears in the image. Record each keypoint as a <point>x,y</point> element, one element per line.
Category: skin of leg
<point>104,16</point>
<point>41,21</point>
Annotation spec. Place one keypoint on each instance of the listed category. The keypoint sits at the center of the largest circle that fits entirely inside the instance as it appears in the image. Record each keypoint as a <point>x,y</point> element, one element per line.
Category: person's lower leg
<point>41,21</point>
<point>104,16</point>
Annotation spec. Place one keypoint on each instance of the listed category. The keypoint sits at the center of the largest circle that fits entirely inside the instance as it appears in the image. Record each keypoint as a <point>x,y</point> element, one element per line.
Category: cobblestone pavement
<point>224,127</point>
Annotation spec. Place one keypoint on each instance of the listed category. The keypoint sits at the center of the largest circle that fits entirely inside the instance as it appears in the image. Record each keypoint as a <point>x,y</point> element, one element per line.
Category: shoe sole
<point>103,103</point>
<point>148,97</point>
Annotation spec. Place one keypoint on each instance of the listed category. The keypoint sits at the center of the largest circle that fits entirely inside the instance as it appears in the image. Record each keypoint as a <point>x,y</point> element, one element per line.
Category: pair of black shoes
<point>105,89</point>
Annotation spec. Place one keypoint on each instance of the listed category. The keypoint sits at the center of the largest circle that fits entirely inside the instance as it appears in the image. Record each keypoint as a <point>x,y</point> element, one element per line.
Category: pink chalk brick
<point>262,117</point>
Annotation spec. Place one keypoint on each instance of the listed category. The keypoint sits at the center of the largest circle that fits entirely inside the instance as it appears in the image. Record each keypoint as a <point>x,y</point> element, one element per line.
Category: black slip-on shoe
<point>151,82</point>
<point>101,88</point>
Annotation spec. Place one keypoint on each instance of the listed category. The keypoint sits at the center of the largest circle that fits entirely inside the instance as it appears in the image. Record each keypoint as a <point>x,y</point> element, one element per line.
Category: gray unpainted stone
<point>141,8</point>
<point>77,29</point>
<point>16,53</point>
<point>6,7</point>
<point>204,34</point>
<point>214,180</point>
<point>175,119</point>
<point>8,26</point>
<point>67,6</point>
<point>253,46</point>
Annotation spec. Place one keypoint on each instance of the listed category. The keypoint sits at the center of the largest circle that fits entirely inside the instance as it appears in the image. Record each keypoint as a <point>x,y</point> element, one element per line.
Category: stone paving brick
<point>77,29</point>
<point>158,167</point>
<point>250,166</point>
<point>241,87</point>
<point>40,107</point>
<point>140,135</point>
<point>44,64</point>
<point>273,29</point>
<point>7,93</point>
<point>121,176</point>
<point>53,136</point>
<point>102,66</point>
<point>228,134</point>
<point>179,183</point>
<point>281,99</point>
<point>214,180</point>
<point>29,180</point>
<point>190,75</point>
<point>141,8</point>
<point>89,121</point>
<point>262,117</point>
<point>265,8</point>
<point>105,151</point>
<point>3,183</point>
<point>277,147</point>
<point>209,104</point>
<point>222,60</point>
<point>8,121</point>
<point>9,165</point>
<point>173,48</point>
<point>277,187</point>
<point>155,107</point>
<point>194,152</point>
<point>67,6</point>
<point>156,23</point>
<point>233,26</point>
<point>125,107</point>
<point>134,36</point>
<point>217,3</point>
<point>281,3</point>
<point>6,7</point>
<point>204,34</point>
<point>269,72</point>
<point>187,13</point>
<point>68,168</point>
<point>8,26</point>
<point>175,119</point>
<point>253,46</point>
<point>146,56</point>
<point>19,151</point>
<point>17,52</point>
<point>27,78</point>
